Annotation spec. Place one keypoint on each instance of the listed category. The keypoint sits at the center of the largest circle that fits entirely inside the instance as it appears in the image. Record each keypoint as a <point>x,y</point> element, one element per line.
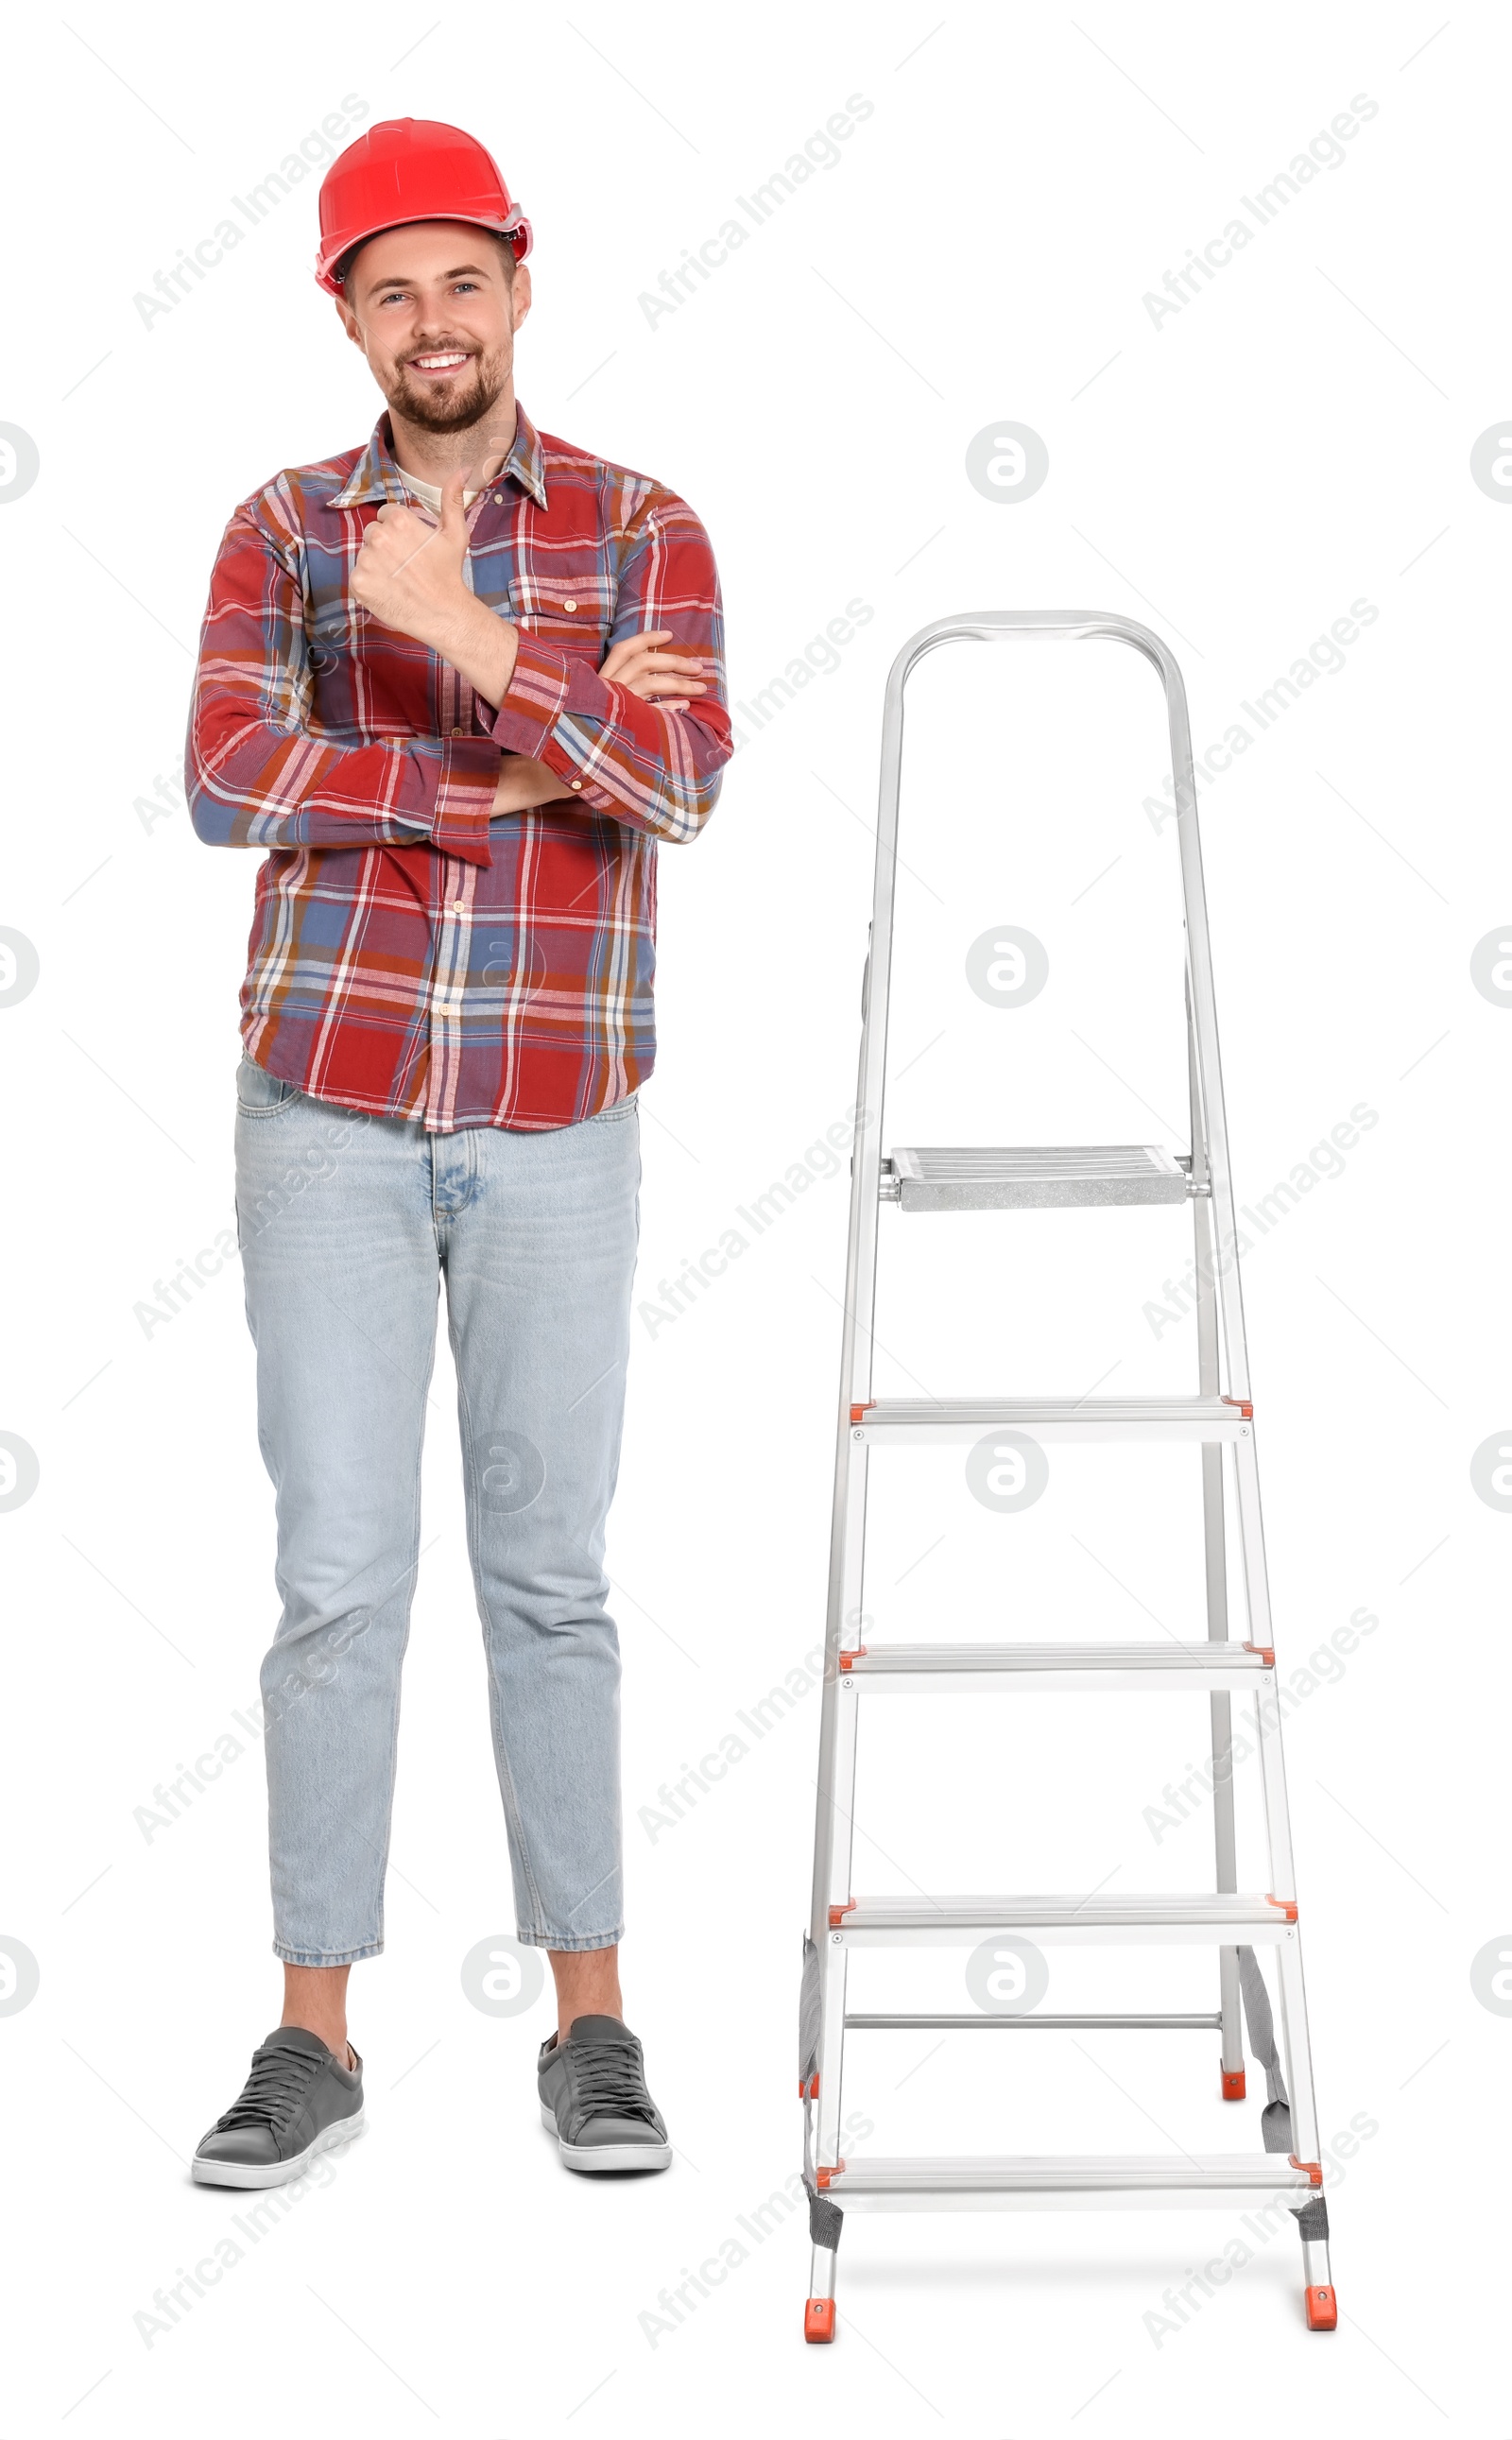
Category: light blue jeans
<point>347,1223</point>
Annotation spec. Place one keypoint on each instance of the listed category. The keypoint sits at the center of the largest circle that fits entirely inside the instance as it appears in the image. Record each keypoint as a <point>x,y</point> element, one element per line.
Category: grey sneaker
<point>297,2101</point>
<point>594,2099</point>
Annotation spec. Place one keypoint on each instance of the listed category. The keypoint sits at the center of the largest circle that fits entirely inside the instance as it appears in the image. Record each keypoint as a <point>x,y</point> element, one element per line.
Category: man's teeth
<point>436,364</point>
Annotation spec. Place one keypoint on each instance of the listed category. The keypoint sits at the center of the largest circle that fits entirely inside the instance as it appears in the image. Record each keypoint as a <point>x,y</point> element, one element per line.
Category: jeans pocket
<point>615,1111</point>
<point>258,1094</point>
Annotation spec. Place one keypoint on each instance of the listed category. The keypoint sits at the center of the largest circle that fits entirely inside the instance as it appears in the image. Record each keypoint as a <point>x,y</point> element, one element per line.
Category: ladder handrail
<point>987,626</point>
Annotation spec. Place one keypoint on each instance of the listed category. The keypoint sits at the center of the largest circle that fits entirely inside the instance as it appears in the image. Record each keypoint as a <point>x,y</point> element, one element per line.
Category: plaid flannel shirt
<point>410,954</point>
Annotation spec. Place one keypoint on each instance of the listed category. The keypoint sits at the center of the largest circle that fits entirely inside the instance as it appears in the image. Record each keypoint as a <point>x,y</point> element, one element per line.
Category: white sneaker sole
<point>279,2173</point>
<point>607,2156</point>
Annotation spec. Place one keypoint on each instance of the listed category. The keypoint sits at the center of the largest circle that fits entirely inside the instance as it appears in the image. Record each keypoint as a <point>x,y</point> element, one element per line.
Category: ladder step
<point>1051,2179</point>
<point>1098,1668</point>
<point>980,1177</point>
<point>875,2024</point>
<point>1097,1918</point>
<point>883,1420</point>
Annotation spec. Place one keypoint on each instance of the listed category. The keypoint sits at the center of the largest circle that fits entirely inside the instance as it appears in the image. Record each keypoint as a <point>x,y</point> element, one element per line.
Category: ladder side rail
<point>1272,1766</point>
<point>852,1459</point>
<point>834,1826</point>
<point>866,1169</point>
<point>1298,2049</point>
<point>1220,1712</point>
<point>1204,1023</point>
<point>1204,1250</point>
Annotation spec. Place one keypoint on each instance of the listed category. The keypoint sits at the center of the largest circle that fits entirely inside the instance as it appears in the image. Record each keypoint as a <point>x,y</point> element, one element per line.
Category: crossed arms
<point>636,738</point>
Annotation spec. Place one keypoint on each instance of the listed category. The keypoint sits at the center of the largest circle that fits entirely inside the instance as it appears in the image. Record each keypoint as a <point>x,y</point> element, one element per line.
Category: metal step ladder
<point>1219,1418</point>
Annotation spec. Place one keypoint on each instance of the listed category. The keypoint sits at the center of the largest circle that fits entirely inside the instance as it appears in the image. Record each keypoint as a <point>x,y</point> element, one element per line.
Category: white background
<point>1297,437</point>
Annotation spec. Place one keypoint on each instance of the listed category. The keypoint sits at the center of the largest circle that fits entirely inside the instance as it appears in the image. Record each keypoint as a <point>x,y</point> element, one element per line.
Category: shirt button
<point>575,783</point>
<point>459,732</point>
<point>569,605</point>
<point>499,499</point>
<point>458,906</point>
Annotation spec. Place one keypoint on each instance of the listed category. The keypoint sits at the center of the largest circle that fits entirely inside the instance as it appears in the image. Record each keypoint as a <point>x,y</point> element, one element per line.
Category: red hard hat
<point>411,169</point>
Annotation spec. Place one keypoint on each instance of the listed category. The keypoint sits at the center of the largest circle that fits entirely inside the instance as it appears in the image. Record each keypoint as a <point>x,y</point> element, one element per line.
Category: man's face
<point>434,311</point>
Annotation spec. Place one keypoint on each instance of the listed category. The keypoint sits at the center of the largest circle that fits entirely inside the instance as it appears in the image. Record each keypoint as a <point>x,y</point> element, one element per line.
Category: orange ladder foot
<point>1232,2083</point>
<point>1323,2308</point>
<point>818,2318</point>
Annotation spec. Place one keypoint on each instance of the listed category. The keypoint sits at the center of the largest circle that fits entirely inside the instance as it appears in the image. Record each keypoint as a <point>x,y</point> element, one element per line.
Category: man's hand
<point>659,677</point>
<point>634,663</point>
<point>408,573</point>
<point>524,784</point>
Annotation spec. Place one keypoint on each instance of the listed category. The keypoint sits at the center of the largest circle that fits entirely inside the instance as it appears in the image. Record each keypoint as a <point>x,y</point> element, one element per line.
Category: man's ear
<point>350,324</point>
<point>520,294</point>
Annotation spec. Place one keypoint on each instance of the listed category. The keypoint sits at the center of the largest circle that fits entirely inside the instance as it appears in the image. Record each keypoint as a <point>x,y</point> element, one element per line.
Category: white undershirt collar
<point>430,493</point>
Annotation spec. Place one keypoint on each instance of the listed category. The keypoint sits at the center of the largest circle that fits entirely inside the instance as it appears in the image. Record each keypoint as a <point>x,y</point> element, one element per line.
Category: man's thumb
<point>451,500</point>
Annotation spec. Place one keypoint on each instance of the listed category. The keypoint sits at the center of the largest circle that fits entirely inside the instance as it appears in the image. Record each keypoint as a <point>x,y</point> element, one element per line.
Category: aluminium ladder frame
<point>1288,2171</point>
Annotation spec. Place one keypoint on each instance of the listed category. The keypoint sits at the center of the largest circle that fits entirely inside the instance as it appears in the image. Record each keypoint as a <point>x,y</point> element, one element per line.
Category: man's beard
<point>463,403</point>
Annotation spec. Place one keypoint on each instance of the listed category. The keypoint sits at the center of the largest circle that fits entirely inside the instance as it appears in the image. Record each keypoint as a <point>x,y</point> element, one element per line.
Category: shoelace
<point>607,2081</point>
<point>274,2091</point>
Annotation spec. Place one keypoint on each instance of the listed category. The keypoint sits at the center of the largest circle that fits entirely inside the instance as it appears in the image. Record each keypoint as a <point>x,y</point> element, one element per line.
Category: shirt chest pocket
<point>572,609</point>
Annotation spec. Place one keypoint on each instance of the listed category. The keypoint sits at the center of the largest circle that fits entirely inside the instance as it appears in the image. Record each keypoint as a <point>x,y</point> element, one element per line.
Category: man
<point>435,683</point>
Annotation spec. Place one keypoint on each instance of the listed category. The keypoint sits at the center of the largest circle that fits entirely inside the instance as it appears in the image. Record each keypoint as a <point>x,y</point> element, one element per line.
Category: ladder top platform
<point>983,1177</point>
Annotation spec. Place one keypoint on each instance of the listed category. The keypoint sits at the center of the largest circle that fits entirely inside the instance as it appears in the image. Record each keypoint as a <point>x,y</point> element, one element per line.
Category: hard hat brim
<point>516,228</point>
